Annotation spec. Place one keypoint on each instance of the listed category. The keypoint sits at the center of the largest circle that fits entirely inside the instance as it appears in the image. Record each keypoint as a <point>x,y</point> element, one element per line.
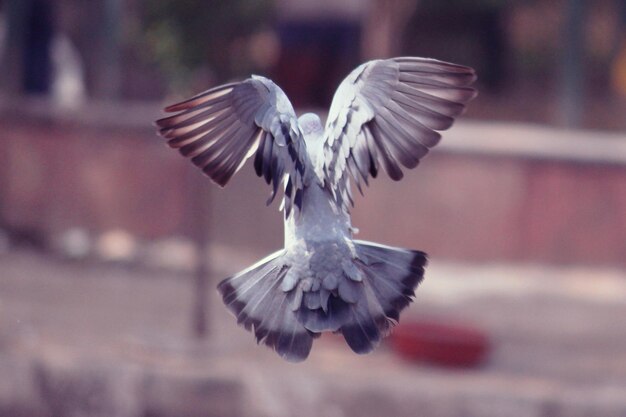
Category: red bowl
<point>454,345</point>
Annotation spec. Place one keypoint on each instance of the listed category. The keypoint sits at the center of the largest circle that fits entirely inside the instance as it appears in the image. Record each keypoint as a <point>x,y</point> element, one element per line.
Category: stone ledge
<point>518,140</point>
<point>486,138</point>
<point>95,114</point>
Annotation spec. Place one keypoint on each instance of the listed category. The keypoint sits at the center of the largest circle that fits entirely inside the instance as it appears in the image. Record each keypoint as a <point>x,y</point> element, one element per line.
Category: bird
<point>386,114</point>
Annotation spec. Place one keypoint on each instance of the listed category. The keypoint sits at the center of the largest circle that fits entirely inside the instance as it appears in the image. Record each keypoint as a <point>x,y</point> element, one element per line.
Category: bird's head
<point>313,131</point>
<point>311,124</point>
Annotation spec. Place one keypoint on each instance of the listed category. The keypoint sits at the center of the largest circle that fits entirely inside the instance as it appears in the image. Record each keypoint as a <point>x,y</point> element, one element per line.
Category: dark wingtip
<point>292,348</point>
<point>395,175</point>
<point>362,338</point>
<point>297,349</point>
<point>228,293</point>
<point>420,259</point>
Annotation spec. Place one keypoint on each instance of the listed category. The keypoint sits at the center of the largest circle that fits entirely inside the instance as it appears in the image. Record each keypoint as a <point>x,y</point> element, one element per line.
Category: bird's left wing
<point>387,112</point>
<point>221,128</point>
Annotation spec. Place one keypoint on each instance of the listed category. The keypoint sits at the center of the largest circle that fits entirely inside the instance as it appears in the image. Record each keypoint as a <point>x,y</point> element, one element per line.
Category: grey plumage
<point>386,113</point>
<point>254,296</point>
<point>222,127</point>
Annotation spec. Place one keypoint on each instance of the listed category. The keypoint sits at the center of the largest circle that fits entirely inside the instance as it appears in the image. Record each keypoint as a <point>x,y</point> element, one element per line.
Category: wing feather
<point>222,127</point>
<point>203,99</point>
<point>389,112</point>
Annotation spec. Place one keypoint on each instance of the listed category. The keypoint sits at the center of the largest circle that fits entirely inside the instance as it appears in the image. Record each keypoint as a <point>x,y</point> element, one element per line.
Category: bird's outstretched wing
<point>388,112</point>
<point>221,128</point>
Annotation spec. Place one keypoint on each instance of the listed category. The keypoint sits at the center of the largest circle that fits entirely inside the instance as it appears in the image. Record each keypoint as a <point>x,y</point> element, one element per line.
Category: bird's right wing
<point>388,112</point>
<point>221,128</point>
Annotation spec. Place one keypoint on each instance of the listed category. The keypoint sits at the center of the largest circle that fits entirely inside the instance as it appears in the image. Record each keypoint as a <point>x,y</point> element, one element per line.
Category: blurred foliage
<point>188,37</point>
<point>465,4</point>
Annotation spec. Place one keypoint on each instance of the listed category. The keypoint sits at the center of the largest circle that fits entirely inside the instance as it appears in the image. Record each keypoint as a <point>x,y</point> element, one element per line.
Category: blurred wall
<point>464,204</point>
<point>105,169</point>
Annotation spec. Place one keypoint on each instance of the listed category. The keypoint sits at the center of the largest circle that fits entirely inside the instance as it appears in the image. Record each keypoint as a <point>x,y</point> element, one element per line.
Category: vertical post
<point>572,80</point>
<point>200,199</point>
<point>109,77</point>
<point>13,49</point>
<point>37,61</point>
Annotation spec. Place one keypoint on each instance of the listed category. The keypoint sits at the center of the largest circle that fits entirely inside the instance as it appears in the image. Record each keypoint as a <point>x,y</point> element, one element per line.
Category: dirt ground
<point>94,339</point>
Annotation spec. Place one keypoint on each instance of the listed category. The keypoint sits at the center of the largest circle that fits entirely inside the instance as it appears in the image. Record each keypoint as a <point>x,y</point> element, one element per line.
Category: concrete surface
<point>94,339</point>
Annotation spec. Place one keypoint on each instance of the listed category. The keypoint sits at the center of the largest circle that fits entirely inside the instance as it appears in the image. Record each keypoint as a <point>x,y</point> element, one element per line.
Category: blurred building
<point>41,34</point>
<point>555,57</point>
<point>322,40</point>
<point>524,220</point>
<point>106,63</point>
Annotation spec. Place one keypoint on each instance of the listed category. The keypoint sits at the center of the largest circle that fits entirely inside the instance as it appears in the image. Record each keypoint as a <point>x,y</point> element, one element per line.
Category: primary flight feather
<point>386,113</point>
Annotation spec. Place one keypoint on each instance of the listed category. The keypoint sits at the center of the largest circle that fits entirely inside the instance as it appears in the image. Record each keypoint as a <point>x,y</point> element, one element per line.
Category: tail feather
<point>254,296</point>
<point>393,273</point>
<point>364,307</point>
<point>246,280</point>
<point>368,323</point>
<point>329,319</point>
<point>360,298</point>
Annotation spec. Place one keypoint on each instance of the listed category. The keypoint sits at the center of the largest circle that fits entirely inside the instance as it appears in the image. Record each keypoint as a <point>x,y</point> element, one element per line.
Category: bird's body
<point>323,219</point>
<point>386,112</point>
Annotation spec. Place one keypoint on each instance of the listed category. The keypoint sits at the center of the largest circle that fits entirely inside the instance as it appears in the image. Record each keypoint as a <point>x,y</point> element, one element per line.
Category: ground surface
<point>85,339</point>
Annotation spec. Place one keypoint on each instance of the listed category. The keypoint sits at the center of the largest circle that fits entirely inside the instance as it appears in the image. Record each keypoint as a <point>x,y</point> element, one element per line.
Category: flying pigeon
<point>386,113</point>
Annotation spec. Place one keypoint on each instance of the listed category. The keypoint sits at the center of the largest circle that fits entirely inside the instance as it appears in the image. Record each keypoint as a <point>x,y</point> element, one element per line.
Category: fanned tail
<point>393,273</point>
<point>255,297</point>
<point>390,278</point>
<point>360,297</point>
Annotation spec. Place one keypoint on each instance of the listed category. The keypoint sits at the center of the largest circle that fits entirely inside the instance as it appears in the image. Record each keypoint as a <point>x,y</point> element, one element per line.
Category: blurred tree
<point>320,39</point>
<point>187,36</point>
<point>385,26</point>
<point>26,64</point>
<point>467,31</point>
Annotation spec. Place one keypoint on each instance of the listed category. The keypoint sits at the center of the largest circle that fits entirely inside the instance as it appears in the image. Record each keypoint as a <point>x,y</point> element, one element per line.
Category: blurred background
<point>111,244</point>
